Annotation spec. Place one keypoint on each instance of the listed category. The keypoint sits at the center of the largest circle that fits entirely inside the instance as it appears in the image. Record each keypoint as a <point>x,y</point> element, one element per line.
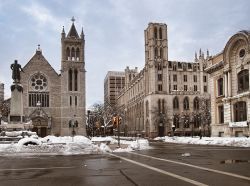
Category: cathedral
<point>51,100</point>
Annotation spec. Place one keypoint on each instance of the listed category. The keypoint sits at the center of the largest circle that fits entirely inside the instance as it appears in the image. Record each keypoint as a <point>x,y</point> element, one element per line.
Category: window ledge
<point>238,124</point>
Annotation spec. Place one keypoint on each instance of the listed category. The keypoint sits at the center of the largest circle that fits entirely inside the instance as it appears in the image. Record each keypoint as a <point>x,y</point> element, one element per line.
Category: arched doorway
<point>147,128</point>
<point>161,130</point>
<point>40,126</point>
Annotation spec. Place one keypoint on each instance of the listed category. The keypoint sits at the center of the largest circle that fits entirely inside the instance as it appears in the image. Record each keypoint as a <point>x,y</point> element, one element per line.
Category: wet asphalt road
<point>207,165</point>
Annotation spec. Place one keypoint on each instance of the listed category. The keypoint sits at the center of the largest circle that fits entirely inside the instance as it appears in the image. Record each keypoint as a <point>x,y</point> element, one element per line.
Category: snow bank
<point>27,140</point>
<point>105,148</point>
<point>66,139</point>
<point>141,144</point>
<point>104,139</point>
<point>13,133</point>
<point>67,145</point>
<point>222,141</point>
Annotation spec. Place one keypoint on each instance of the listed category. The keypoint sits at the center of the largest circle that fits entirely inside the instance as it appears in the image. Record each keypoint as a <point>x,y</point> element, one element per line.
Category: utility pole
<point>119,122</point>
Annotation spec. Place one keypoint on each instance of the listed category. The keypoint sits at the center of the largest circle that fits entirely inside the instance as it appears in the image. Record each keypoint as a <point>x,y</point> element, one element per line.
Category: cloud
<point>114,31</point>
<point>42,16</point>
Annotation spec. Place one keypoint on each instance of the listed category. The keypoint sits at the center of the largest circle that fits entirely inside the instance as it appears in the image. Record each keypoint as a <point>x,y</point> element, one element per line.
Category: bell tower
<point>73,93</point>
<point>156,58</point>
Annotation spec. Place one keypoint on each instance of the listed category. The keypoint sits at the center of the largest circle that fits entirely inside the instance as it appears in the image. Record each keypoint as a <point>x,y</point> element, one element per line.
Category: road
<point>164,164</point>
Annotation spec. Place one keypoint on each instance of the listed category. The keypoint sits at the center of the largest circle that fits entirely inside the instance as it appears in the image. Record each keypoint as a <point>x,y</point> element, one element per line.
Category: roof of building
<point>73,31</point>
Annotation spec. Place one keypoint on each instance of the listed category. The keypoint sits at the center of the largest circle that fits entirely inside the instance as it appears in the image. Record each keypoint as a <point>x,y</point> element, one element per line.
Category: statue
<point>16,68</point>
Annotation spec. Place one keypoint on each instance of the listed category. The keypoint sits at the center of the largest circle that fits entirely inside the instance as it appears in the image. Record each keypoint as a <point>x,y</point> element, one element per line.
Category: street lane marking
<point>37,168</point>
<point>197,167</point>
<point>161,171</point>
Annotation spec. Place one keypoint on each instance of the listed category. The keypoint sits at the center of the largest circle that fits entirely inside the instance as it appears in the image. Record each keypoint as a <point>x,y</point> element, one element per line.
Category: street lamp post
<point>173,129</point>
<point>88,112</point>
<point>119,122</point>
<point>72,124</point>
<point>1,118</point>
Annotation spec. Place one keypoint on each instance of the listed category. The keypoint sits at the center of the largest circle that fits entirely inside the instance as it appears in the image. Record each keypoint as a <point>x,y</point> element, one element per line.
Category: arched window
<point>76,78</point>
<point>155,33</point>
<point>75,100</point>
<point>160,33</point>
<point>174,67</point>
<point>77,54</point>
<point>73,54</point>
<point>147,109</point>
<point>39,90</point>
<point>161,53</point>
<point>196,103</point>
<point>70,80</point>
<point>186,104</point>
<point>243,80</point>
<point>68,53</point>
<point>70,100</point>
<point>176,103</point>
<point>159,66</point>
<point>220,87</point>
<point>240,111</point>
<point>156,52</point>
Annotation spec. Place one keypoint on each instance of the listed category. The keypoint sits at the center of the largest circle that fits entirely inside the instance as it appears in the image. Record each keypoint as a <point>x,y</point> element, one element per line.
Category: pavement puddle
<point>234,161</point>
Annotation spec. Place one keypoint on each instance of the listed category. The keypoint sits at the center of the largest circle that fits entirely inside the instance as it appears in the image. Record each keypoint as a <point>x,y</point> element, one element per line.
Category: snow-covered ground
<point>222,141</point>
<point>51,145</point>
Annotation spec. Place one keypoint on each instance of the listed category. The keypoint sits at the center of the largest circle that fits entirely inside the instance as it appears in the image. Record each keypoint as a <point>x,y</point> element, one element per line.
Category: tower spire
<point>63,33</point>
<point>72,32</point>
<point>73,19</point>
<point>82,33</point>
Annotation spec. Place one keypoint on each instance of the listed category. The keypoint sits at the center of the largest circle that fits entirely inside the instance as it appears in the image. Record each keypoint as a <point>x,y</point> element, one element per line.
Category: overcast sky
<point>114,32</point>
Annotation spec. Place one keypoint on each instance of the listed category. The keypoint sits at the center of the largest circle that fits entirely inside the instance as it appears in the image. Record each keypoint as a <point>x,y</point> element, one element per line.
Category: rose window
<point>38,82</point>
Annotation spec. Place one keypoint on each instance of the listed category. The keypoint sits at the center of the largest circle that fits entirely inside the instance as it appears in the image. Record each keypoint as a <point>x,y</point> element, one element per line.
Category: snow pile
<point>26,141</point>
<point>140,144</point>
<point>66,145</point>
<point>105,148</point>
<point>222,141</point>
<point>50,145</point>
<point>66,139</point>
<point>104,139</point>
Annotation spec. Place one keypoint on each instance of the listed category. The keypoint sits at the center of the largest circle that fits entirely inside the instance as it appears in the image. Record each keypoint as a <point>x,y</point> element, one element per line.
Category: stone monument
<point>16,105</point>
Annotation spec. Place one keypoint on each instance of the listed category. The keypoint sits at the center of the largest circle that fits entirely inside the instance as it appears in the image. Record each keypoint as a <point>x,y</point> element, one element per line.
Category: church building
<point>56,102</point>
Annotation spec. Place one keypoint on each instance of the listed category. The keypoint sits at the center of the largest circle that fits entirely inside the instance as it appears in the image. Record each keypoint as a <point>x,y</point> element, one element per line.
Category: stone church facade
<point>165,94</point>
<point>230,87</point>
<point>55,101</point>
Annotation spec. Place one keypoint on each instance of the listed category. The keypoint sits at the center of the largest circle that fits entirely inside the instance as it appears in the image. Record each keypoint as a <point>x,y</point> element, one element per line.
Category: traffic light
<point>114,120</point>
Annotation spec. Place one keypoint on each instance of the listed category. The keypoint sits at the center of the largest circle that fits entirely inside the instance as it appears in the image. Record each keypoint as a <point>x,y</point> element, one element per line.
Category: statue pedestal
<point>16,105</point>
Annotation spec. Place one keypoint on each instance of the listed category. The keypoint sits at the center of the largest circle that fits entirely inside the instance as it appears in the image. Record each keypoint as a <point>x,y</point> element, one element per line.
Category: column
<point>229,85</point>
<point>73,80</point>
<point>226,84</point>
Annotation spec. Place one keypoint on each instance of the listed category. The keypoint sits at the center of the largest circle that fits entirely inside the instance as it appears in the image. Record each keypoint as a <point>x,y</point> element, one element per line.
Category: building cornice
<point>215,67</point>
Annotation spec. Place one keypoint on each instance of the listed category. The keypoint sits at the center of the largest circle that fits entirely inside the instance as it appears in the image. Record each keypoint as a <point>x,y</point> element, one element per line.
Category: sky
<point>114,32</point>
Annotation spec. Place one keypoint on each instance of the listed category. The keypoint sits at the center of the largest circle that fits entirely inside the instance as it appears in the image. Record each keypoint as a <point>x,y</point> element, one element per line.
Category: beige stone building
<point>230,87</point>
<point>114,82</point>
<point>53,100</point>
<point>165,94</point>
